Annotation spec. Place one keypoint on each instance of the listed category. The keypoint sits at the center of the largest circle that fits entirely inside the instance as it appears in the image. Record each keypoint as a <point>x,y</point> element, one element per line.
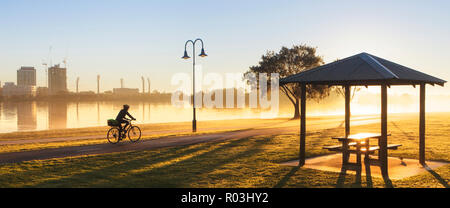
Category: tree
<point>289,61</point>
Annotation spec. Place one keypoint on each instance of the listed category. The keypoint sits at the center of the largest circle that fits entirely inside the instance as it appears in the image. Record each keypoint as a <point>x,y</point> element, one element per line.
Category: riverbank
<point>252,161</point>
<point>36,140</point>
<point>203,126</point>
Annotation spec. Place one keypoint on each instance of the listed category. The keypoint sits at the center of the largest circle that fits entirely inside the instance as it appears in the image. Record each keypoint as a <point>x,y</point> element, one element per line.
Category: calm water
<point>26,116</point>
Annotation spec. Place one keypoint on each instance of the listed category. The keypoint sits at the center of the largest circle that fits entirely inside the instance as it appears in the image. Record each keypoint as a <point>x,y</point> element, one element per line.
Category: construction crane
<point>65,59</point>
<point>46,64</point>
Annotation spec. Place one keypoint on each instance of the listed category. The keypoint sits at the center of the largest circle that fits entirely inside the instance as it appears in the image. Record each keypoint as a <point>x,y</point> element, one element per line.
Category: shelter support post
<point>301,161</point>
<point>347,110</point>
<point>422,125</point>
<point>383,156</point>
<point>345,154</point>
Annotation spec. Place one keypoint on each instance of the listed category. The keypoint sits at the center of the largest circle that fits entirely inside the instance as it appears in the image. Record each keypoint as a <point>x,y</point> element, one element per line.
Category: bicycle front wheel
<point>134,134</point>
<point>113,135</point>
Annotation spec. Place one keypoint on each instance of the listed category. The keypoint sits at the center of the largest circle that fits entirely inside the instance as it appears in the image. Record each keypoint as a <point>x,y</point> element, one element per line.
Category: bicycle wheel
<point>134,134</point>
<point>113,135</point>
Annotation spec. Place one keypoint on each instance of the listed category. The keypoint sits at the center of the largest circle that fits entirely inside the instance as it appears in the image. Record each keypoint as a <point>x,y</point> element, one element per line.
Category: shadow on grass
<point>286,178</point>
<point>437,176</point>
<point>358,182</point>
<point>112,170</point>
<point>130,169</point>
<point>410,137</point>
<point>188,171</point>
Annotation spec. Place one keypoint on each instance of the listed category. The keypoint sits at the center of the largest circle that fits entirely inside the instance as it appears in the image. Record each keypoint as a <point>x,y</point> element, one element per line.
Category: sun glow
<point>367,101</point>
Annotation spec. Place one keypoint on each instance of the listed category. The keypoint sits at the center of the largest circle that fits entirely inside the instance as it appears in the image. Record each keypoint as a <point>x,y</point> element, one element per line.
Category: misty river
<point>37,115</point>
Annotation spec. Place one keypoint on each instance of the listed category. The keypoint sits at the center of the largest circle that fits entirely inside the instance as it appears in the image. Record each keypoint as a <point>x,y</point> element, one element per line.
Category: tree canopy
<point>289,61</point>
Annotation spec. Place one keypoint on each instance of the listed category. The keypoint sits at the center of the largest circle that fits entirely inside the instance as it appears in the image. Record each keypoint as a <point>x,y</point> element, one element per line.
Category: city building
<point>42,91</point>
<point>126,91</point>
<point>26,83</point>
<point>57,80</point>
<point>11,89</point>
<point>26,76</point>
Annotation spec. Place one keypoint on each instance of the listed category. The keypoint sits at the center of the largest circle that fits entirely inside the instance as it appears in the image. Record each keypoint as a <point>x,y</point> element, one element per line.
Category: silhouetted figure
<point>121,118</point>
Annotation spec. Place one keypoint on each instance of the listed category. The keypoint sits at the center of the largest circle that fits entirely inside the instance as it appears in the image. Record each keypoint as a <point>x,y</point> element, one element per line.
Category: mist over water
<point>32,115</point>
<point>38,115</point>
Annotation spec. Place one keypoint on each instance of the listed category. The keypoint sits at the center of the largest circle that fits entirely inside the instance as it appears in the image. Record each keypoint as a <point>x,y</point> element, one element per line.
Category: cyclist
<point>121,118</point>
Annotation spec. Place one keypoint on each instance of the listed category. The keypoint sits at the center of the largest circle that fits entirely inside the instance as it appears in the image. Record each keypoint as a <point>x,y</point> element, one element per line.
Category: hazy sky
<point>131,39</point>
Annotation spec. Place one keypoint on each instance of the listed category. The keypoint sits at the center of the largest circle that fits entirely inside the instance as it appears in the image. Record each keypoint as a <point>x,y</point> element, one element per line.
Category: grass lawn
<point>249,162</point>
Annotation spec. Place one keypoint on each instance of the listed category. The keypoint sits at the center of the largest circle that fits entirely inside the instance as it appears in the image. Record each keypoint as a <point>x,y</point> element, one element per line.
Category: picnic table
<point>358,144</point>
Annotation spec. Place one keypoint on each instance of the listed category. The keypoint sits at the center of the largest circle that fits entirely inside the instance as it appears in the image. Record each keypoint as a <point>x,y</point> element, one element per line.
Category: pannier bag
<point>113,122</point>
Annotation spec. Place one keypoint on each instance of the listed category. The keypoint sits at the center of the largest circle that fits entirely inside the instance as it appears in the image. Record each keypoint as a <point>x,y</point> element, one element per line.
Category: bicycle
<point>114,135</point>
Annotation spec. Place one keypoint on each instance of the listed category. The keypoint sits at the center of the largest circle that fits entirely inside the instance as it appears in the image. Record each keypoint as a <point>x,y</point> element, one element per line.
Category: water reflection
<point>57,115</point>
<point>37,115</point>
<point>78,114</point>
<point>9,111</point>
<point>98,112</point>
<point>26,116</point>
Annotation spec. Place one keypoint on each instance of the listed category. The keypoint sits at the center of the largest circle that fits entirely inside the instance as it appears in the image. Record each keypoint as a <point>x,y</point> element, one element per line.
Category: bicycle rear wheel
<point>134,134</point>
<point>113,135</point>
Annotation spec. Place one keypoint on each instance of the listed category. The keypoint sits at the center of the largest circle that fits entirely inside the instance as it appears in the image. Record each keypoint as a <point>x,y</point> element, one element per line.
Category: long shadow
<point>174,169</point>
<point>341,124</point>
<point>437,176</point>
<point>221,161</point>
<point>358,183</point>
<point>387,182</point>
<point>368,176</point>
<point>341,178</point>
<point>286,178</point>
<point>401,130</point>
<point>118,168</point>
<point>173,174</point>
<point>281,122</point>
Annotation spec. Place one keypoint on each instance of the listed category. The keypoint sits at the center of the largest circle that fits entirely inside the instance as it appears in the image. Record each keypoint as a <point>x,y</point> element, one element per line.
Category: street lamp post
<point>185,56</point>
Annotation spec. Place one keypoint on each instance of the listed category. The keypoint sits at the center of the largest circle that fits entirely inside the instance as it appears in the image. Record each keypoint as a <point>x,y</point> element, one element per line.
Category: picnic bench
<point>359,144</point>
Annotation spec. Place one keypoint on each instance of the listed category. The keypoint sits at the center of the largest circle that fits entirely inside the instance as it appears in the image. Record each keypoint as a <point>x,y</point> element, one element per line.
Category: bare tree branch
<point>283,88</point>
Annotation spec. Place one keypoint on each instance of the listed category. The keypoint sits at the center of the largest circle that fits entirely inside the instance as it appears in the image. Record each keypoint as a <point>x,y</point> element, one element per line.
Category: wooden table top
<point>360,136</point>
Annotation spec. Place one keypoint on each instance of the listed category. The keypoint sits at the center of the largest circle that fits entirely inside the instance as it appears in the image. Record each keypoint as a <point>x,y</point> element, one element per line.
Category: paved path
<point>312,123</point>
<point>142,145</point>
<point>171,141</point>
<point>398,168</point>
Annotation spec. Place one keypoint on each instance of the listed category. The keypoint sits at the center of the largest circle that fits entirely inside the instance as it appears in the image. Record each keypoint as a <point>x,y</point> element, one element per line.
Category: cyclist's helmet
<point>126,106</point>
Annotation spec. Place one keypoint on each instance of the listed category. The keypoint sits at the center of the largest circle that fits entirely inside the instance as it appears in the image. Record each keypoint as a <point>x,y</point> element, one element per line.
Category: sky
<point>130,39</point>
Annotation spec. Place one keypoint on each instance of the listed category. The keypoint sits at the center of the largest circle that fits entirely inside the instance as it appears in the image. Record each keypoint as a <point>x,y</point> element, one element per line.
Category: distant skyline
<point>130,39</point>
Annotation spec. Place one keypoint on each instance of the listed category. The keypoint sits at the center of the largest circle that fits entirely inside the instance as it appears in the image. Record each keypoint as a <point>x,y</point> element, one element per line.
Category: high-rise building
<point>26,76</point>
<point>57,80</point>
